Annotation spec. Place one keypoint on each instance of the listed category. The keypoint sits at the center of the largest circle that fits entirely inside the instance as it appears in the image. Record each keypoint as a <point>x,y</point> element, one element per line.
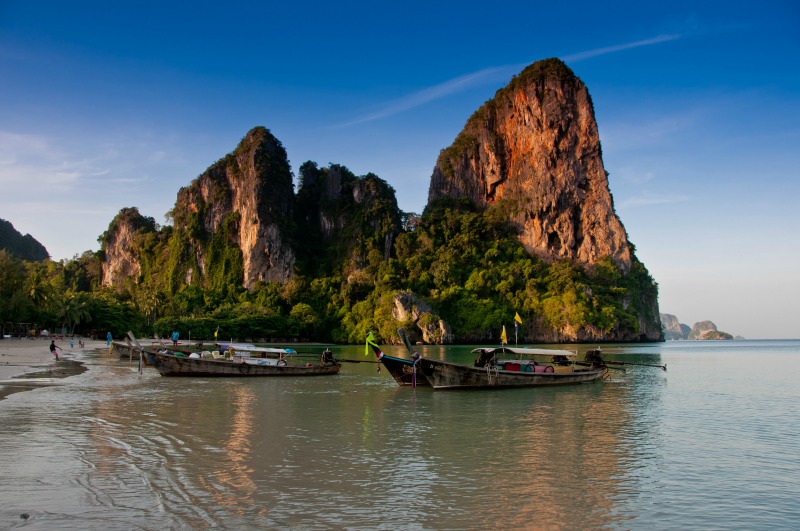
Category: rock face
<point>238,221</point>
<point>250,189</point>
<point>703,330</point>
<point>339,213</point>
<point>408,308</point>
<point>536,148</point>
<point>121,263</point>
<point>706,330</point>
<point>674,330</point>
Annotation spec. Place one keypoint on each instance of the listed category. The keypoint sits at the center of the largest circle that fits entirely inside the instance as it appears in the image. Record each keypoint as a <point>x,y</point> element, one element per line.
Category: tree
<point>72,311</point>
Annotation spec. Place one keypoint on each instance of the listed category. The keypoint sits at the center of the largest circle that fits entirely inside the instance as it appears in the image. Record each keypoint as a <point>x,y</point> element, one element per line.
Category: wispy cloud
<point>37,164</point>
<point>487,75</point>
<point>452,86</point>
<point>619,48</point>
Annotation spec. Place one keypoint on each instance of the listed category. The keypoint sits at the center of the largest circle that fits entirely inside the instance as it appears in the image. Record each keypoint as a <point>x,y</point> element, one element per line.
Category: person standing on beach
<point>175,336</point>
<point>53,348</point>
<point>108,339</point>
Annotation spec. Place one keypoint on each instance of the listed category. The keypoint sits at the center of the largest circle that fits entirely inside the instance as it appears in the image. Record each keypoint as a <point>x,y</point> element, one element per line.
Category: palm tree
<point>72,311</point>
<point>147,300</point>
<point>38,289</point>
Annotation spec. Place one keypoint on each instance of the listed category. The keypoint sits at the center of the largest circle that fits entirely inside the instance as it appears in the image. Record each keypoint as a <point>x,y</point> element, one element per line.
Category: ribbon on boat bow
<point>371,343</point>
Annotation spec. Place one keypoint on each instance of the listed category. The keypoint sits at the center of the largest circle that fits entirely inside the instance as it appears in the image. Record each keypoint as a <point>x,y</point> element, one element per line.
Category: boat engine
<point>327,356</point>
<point>595,357</point>
<point>485,358</point>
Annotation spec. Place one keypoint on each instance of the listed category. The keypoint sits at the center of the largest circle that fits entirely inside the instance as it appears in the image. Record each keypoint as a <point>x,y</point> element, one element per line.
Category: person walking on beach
<point>108,339</point>
<point>53,348</point>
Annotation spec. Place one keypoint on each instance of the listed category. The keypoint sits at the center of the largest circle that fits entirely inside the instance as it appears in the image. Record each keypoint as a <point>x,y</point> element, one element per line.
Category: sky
<point>106,105</point>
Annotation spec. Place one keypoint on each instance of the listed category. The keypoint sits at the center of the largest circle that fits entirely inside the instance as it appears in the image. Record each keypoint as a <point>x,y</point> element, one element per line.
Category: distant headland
<point>674,330</point>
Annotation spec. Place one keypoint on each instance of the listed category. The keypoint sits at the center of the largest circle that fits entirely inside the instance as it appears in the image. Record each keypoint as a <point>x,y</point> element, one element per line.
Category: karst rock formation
<point>535,147</point>
<point>251,189</point>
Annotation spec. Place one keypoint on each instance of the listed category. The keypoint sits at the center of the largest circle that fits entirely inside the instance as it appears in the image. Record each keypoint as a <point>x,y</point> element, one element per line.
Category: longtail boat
<point>512,367</point>
<point>404,371</point>
<point>239,361</point>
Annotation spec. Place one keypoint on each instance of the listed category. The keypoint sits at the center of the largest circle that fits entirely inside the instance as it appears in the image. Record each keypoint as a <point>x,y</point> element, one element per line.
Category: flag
<point>517,318</point>
<point>371,341</point>
<point>503,337</point>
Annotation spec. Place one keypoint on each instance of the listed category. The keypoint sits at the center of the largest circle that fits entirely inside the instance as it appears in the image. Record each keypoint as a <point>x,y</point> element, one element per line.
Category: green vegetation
<point>354,252</point>
<point>465,262</point>
<point>463,145</point>
<point>537,72</point>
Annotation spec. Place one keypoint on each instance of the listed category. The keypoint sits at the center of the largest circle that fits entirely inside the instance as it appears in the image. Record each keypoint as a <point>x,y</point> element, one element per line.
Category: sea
<point>713,442</point>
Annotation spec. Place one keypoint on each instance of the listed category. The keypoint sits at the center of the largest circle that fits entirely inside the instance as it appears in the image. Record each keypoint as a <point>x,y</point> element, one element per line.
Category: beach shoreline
<point>28,364</point>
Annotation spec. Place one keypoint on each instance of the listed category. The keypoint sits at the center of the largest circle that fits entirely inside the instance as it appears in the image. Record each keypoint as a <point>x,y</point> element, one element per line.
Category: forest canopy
<point>465,263</point>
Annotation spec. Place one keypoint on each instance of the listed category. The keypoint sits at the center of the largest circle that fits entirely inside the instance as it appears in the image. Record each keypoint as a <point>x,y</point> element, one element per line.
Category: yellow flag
<point>517,318</point>
<point>503,337</point>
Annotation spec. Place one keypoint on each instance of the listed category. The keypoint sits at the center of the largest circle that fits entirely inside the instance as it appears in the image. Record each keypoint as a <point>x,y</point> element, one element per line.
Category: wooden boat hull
<point>447,375</point>
<point>170,365</point>
<point>402,371</point>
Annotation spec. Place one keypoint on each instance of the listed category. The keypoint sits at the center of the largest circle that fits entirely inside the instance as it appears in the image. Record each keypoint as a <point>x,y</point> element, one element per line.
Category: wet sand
<point>27,363</point>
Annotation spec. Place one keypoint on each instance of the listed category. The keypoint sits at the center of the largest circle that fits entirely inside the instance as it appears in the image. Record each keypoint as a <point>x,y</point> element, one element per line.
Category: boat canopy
<point>243,347</point>
<point>226,346</point>
<point>524,351</point>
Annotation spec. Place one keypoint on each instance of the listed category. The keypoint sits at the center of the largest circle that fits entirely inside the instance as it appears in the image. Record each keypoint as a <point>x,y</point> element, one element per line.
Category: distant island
<point>674,330</point>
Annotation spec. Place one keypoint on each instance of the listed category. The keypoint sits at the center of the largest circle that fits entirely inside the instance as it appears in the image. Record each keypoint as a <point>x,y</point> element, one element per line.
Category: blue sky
<point>105,105</point>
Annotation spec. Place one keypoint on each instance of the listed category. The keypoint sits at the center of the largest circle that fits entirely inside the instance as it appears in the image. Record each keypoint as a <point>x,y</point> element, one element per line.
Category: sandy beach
<point>23,360</point>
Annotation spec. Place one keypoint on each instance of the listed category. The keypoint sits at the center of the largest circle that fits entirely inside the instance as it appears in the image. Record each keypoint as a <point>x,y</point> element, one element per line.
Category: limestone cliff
<point>532,154</point>
<point>342,216</point>
<point>707,330</point>
<point>120,244</point>
<point>249,196</point>
<point>673,329</point>
<point>536,148</point>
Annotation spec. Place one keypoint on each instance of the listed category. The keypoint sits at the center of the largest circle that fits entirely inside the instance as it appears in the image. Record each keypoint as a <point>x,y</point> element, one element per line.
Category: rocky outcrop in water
<point>673,329</point>
<point>702,330</point>
<point>535,148</point>
<point>706,330</point>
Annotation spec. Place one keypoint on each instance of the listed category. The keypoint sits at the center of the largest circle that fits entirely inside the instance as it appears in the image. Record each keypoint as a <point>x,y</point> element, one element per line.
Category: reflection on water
<point>233,472</point>
<point>112,449</point>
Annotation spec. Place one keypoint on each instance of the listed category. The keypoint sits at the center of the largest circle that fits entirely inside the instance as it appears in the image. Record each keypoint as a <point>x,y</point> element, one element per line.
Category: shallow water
<point>712,443</point>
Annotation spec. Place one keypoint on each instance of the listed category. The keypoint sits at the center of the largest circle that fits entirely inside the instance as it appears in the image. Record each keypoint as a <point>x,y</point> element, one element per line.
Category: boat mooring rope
<point>489,373</point>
